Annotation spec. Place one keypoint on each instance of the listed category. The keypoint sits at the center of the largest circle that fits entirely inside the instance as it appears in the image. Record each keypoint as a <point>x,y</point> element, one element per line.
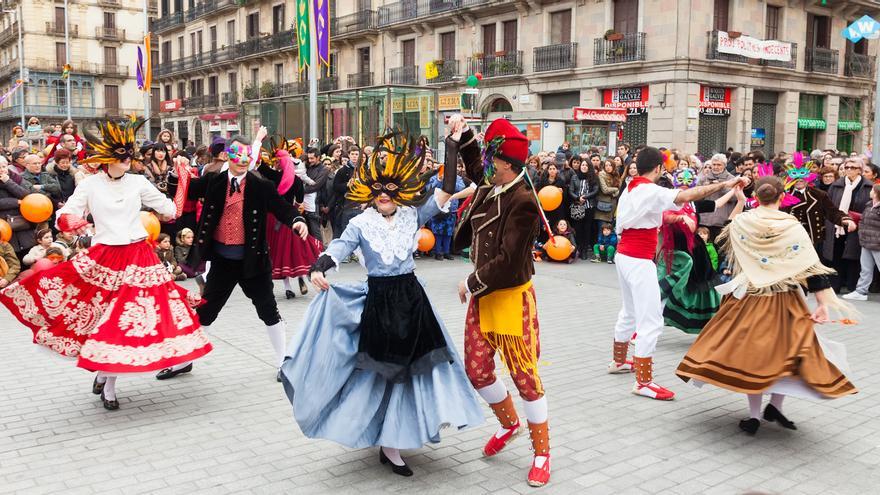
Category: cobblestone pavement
<point>227,427</point>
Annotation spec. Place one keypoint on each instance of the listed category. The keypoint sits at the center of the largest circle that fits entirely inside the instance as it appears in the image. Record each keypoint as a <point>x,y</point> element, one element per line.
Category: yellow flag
<point>431,71</point>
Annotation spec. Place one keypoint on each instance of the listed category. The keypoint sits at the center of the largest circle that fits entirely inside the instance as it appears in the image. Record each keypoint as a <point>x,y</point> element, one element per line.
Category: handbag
<point>18,223</point>
<point>578,211</point>
<point>604,206</point>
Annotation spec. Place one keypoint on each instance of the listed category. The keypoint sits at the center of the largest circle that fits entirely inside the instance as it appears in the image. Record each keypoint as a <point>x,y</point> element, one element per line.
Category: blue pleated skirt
<point>334,400</point>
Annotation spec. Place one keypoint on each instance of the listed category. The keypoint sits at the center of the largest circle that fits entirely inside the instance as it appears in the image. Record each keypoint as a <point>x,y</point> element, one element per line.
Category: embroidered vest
<point>230,229</point>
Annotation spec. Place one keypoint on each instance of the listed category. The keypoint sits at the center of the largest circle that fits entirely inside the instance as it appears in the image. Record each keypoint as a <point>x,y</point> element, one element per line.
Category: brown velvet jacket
<point>500,229</point>
<point>816,207</point>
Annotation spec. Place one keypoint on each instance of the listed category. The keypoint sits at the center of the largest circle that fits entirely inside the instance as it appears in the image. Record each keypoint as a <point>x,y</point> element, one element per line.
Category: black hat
<point>218,145</point>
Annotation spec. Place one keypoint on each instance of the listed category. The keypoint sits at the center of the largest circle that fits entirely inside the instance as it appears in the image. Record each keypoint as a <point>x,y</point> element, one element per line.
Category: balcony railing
<point>9,33</point>
<point>328,83</point>
<point>360,80</point>
<point>109,33</point>
<point>9,69</point>
<point>858,65</point>
<point>49,111</point>
<point>791,64</point>
<point>58,29</point>
<point>277,41</point>
<point>500,64</point>
<point>408,74</point>
<point>109,3</point>
<point>555,57</point>
<point>198,101</point>
<point>712,53</point>
<point>288,89</point>
<point>352,24</point>
<point>446,72</point>
<point>112,70</point>
<point>629,49</point>
<point>407,10</point>
<point>168,21</point>
<point>229,99</point>
<point>821,60</point>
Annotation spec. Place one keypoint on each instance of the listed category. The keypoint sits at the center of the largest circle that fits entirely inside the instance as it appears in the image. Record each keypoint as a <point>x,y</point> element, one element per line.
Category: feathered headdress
<point>293,147</point>
<point>684,177</point>
<point>797,170</point>
<point>398,177</point>
<point>766,170</point>
<point>117,142</point>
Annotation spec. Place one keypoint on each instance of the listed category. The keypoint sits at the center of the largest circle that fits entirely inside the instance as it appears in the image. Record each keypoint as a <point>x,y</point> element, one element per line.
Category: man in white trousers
<point>639,216</point>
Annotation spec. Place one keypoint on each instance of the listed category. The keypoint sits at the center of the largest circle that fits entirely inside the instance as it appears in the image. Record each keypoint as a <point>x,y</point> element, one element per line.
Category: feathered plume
<point>116,143</point>
<point>399,177</point>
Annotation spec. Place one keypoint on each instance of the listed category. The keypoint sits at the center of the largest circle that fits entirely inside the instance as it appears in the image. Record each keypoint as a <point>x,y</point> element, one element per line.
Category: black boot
<point>399,470</point>
<point>772,414</point>
<point>750,425</point>
<point>289,294</point>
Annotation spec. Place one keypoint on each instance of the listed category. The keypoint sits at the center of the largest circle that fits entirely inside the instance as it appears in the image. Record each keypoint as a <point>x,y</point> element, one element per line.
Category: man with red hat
<point>500,227</point>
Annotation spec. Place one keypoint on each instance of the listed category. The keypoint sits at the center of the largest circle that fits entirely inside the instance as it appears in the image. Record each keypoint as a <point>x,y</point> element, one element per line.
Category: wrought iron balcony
<point>291,89</point>
<point>858,65</point>
<point>110,33</point>
<point>360,80</point>
<point>555,57</point>
<point>229,99</point>
<point>408,74</point>
<point>499,64</point>
<point>272,42</point>
<point>10,33</point>
<point>712,53</point>
<point>408,10</point>
<point>351,25</point>
<point>791,64</point>
<point>58,29</point>
<point>211,101</point>
<point>328,83</point>
<point>447,70</point>
<point>168,22</point>
<point>821,60</point>
<point>111,70</point>
<point>109,3</point>
<point>50,111</point>
<point>630,48</point>
<point>200,101</point>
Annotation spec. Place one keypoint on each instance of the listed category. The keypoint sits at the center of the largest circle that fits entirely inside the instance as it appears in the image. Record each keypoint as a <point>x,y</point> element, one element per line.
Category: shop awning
<point>811,124</point>
<point>849,125</point>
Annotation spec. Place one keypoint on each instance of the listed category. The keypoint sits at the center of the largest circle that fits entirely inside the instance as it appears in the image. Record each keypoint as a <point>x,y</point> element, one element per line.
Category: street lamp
<point>15,20</point>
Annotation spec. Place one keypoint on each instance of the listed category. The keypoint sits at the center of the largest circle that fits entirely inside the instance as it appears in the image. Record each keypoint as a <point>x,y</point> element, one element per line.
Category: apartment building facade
<point>591,72</point>
<point>104,36</point>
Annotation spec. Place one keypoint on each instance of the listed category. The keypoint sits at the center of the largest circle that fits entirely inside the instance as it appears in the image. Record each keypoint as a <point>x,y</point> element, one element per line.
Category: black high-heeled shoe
<point>399,470</point>
<point>97,388</point>
<point>750,425</point>
<point>772,414</point>
<point>289,294</point>
<point>303,288</point>
<point>110,405</point>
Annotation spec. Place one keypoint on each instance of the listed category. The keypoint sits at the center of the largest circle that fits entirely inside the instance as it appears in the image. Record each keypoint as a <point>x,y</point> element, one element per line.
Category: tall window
<point>509,36</point>
<point>232,80</point>
<point>181,90</point>
<point>774,14</point>
<point>560,27</point>
<point>447,45</point>
<point>109,55</point>
<point>111,97</point>
<point>60,55</point>
<point>192,43</point>
<point>626,16</point>
<point>253,25</point>
<point>199,46</point>
<point>212,85</point>
<point>279,74</point>
<point>364,60</point>
<point>408,52</point>
<point>255,77</point>
<point>168,95</point>
<point>110,20</point>
<point>212,36</point>
<point>180,47</point>
<point>230,33</point>
<point>278,18</point>
<point>489,39</point>
<point>166,52</point>
<point>154,100</point>
<point>59,19</point>
<point>721,18</point>
<point>818,31</point>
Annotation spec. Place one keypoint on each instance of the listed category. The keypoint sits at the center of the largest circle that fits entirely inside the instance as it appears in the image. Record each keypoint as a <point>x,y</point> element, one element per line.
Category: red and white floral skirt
<point>115,308</point>
<point>291,256</point>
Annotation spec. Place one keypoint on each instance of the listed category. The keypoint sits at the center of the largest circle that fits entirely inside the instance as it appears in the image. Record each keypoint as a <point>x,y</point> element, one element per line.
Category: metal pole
<point>313,76</point>
<point>19,19</point>
<point>147,91</point>
<point>67,56</point>
<point>875,142</point>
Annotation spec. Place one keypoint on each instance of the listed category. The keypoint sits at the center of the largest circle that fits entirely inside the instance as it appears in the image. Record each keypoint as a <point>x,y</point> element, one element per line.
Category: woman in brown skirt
<point>762,339</point>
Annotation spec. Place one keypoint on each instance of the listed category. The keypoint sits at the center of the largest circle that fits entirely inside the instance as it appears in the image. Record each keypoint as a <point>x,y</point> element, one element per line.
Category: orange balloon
<point>5,231</point>
<point>559,249</point>
<point>151,224</point>
<point>36,207</point>
<point>551,197</point>
<point>426,240</point>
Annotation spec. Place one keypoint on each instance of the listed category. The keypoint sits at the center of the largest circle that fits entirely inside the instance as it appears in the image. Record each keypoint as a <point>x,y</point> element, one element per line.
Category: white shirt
<point>116,205</point>
<point>643,207</point>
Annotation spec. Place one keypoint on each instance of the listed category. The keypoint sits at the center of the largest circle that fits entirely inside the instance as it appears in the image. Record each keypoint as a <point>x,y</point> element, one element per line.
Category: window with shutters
<point>230,33</point>
<point>255,76</point>
<point>278,18</point>
<point>626,16</point>
<point>771,31</point>
<point>212,36</point>
<point>721,16</point>
<point>509,36</point>
<point>180,47</point>
<point>489,39</point>
<point>154,57</point>
<point>110,55</point>
<point>447,45</point>
<point>154,100</point>
<point>279,74</point>
<point>109,20</point>
<point>560,27</point>
<point>166,52</point>
<point>59,19</point>
<point>364,60</point>
<point>253,25</point>
<point>192,43</point>
<point>181,90</point>
<point>168,95</point>
<point>212,85</point>
<point>199,46</point>
<point>111,97</point>
<point>60,55</point>
<point>408,52</point>
<point>232,81</point>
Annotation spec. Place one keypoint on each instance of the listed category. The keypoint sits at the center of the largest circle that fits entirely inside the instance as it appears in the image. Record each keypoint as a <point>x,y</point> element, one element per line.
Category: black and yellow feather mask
<point>399,177</point>
<point>117,142</point>
<point>270,150</point>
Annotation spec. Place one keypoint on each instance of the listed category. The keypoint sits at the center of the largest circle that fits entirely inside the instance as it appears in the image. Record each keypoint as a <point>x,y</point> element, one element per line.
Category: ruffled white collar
<point>390,239</point>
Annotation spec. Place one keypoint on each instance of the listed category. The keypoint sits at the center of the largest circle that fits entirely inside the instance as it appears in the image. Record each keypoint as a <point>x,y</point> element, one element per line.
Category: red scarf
<point>638,243</point>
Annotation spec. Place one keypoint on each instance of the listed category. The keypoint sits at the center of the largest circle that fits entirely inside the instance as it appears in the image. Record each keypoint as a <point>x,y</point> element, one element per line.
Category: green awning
<point>811,124</point>
<point>849,125</point>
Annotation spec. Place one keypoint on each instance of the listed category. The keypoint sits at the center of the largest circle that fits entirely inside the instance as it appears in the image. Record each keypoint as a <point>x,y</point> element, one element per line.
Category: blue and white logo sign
<point>866,28</point>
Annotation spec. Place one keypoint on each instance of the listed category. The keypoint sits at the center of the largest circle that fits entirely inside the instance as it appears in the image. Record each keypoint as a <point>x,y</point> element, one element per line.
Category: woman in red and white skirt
<point>114,307</point>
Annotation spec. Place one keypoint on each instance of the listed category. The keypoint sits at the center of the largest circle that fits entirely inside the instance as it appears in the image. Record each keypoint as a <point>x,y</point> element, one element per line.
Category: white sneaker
<point>619,369</point>
<point>856,296</point>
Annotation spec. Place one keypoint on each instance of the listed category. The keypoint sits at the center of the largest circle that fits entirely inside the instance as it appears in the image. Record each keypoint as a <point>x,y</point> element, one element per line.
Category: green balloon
<point>472,81</point>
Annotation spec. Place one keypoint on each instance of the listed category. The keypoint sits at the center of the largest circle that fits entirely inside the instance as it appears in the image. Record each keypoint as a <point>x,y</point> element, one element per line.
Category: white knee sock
<point>287,284</point>
<point>393,455</point>
<point>776,400</point>
<point>110,387</point>
<point>101,378</point>
<point>755,405</point>
<point>278,337</point>
<point>536,410</point>
<point>495,393</point>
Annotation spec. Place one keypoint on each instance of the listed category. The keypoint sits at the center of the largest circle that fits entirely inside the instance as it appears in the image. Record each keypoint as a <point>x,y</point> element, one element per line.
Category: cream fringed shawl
<point>770,252</point>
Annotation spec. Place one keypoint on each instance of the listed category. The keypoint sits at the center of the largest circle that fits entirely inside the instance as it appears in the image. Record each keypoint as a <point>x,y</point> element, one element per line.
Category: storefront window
<point>811,121</point>
<point>584,136</point>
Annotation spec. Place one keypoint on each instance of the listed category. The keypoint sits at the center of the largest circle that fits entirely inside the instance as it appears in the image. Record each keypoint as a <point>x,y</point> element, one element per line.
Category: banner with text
<point>747,46</point>
<point>714,100</point>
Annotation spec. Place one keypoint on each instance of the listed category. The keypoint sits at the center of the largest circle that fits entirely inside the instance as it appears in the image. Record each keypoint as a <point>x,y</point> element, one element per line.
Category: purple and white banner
<point>322,30</point>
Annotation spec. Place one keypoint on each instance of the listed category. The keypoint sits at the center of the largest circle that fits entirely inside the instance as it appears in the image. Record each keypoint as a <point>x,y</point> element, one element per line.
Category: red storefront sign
<point>600,114</point>
<point>219,116</point>
<point>714,100</point>
<point>171,105</point>
<point>634,100</point>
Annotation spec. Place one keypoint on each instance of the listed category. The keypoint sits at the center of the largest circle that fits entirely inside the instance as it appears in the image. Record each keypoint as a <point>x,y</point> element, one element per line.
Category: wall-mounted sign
<point>449,101</point>
<point>634,100</point>
<point>171,105</point>
<point>759,137</point>
<point>600,114</point>
<point>714,100</point>
<point>533,132</point>
<point>865,27</point>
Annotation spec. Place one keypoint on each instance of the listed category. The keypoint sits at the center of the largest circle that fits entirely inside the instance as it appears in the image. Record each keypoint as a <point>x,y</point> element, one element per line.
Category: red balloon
<point>479,76</point>
<point>42,264</point>
<point>36,207</point>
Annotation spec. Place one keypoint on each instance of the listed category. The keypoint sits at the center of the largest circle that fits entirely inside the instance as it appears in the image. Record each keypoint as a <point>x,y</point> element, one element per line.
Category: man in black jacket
<point>344,209</point>
<point>232,236</point>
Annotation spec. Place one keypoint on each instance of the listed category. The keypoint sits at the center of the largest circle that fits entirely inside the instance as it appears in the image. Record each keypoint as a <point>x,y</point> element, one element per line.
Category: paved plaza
<point>228,428</point>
